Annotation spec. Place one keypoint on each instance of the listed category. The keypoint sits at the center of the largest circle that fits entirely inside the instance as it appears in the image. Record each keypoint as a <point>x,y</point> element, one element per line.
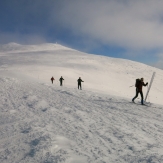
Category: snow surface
<point>45,123</point>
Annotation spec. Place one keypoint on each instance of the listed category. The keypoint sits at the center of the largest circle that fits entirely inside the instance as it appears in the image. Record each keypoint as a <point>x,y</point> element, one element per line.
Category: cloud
<point>131,24</point>
<point>128,23</point>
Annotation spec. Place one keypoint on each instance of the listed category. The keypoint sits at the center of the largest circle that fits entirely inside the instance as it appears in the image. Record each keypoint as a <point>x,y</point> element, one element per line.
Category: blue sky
<point>117,28</point>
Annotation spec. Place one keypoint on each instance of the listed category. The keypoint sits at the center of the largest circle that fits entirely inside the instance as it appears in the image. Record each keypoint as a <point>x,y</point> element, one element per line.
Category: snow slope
<point>45,123</point>
<point>100,73</point>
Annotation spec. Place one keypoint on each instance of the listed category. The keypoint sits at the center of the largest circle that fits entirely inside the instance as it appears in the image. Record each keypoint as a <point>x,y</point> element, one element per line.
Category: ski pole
<point>131,86</point>
<point>150,84</point>
<point>148,95</point>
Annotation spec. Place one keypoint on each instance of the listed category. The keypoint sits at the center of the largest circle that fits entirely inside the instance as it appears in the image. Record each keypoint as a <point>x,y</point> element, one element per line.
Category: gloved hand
<point>147,83</point>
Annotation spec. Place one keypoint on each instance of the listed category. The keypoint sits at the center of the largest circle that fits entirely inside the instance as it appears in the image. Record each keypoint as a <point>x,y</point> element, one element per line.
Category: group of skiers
<point>61,81</point>
<point>139,84</point>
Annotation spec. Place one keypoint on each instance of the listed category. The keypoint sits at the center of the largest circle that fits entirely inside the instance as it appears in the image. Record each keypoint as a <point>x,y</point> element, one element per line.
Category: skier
<point>61,79</point>
<point>79,82</point>
<point>139,84</point>
<point>52,79</point>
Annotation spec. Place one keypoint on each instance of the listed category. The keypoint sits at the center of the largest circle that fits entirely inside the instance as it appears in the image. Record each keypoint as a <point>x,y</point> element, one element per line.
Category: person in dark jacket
<point>139,90</point>
<point>79,82</point>
<point>52,79</point>
<point>61,80</point>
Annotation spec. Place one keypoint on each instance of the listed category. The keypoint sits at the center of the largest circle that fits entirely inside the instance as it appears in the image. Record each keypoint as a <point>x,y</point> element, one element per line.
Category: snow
<point>42,122</point>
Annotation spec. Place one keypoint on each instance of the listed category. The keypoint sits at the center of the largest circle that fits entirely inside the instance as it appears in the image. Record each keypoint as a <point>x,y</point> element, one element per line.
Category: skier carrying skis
<point>52,79</point>
<point>61,79</point>
<point>79,82</point>
<point>139,84</point>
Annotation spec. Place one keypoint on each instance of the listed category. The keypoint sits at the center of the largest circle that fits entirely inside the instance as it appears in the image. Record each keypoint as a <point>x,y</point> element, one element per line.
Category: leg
<point>137,92</point>
<point>142,98</point>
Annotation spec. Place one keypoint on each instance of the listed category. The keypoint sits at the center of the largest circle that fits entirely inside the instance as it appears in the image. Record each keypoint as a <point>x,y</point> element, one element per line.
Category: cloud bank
<point>131,24</point>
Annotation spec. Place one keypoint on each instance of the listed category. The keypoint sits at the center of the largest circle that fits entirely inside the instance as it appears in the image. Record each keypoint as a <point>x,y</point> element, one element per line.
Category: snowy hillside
<point>108,75</point>
<point>45,123</point>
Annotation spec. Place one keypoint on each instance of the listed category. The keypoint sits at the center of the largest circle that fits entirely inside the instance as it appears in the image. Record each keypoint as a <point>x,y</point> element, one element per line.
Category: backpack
<point>137,83</point>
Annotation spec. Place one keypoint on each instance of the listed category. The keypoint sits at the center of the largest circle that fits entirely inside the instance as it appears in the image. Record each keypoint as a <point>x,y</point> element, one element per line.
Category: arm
<point>145,84</point>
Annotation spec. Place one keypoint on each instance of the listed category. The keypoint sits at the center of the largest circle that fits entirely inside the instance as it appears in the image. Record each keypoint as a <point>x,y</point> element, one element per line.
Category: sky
<point>126,29</point>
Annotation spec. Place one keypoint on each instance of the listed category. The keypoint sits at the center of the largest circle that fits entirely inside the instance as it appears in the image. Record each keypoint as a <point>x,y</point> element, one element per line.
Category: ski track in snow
<point>41,123</point>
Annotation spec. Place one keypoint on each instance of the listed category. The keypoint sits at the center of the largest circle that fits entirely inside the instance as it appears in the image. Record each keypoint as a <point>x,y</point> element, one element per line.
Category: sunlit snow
<point>41,122</point>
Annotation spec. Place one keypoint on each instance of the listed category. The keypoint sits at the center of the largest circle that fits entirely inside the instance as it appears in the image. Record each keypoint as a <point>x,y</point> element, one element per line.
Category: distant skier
<point>139,84</point>
<point>61,80</point>
<point>52,79</point>
<point>79,82</point>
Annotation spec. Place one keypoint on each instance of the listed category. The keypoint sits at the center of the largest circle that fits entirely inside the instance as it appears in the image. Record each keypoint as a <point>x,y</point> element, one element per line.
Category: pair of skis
<point>144,104</point>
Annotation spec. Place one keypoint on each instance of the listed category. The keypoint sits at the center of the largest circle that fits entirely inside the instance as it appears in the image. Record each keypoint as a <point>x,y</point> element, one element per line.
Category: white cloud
<point>129,23</point>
